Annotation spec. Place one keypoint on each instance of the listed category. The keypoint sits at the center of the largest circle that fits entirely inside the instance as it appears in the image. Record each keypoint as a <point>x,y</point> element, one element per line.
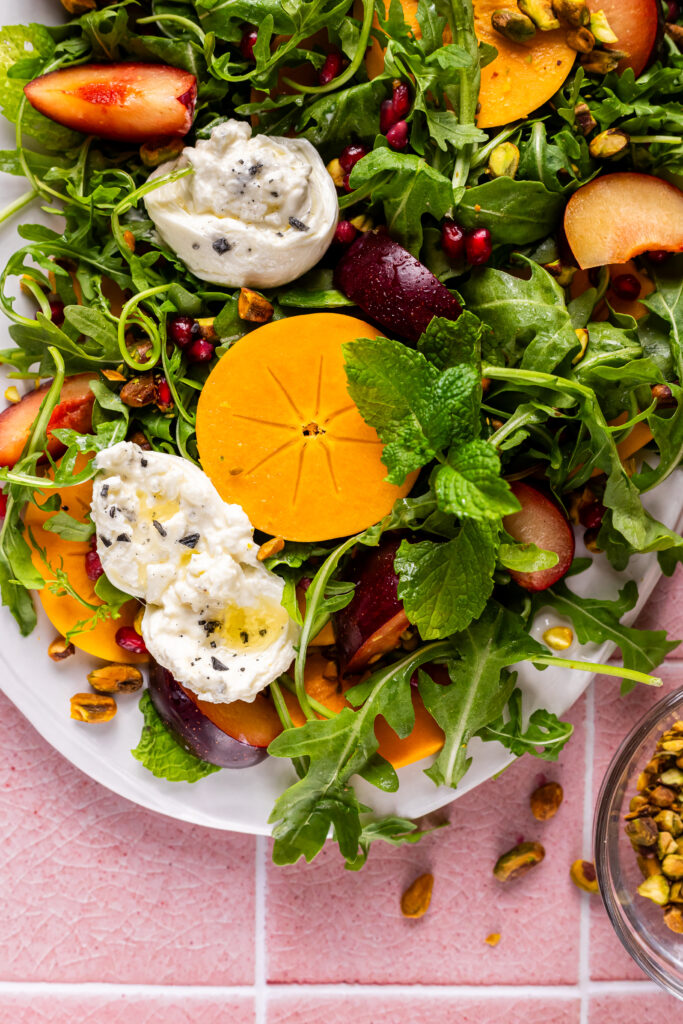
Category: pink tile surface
<point>125,1009</point>
<point>446,1009</point>
<point>614,718</point>
<point>327,925</point>
<point>634,1008</point>
<point>664,609</point>
<point>93,888</point>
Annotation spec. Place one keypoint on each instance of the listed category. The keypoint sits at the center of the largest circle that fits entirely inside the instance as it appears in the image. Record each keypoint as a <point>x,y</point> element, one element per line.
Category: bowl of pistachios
<point>639,843</point>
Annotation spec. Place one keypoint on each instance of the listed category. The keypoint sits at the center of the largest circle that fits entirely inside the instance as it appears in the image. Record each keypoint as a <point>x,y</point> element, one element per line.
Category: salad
<point>357,315</point>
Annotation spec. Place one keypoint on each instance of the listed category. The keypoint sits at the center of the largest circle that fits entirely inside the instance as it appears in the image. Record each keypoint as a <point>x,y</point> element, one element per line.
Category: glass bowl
<point>637,921</point>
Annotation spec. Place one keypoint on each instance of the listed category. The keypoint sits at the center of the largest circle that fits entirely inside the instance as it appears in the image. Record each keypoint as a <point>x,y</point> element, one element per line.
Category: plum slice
<point>618,216</point>
<point>372,623</point>
<point>392,287</point>
<point>196,731</point>
<point>540,522</point>
<point>127,102</point>
<point>74,412</point>
<point>637,26</point>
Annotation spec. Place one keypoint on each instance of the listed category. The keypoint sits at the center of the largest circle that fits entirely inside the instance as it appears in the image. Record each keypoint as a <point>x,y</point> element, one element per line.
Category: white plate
<point>242,800</point>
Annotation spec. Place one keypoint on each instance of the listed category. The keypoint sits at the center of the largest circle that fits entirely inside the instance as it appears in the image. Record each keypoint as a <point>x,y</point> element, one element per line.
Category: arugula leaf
<point>470,486</point>
<point>545,735</point>
<point>416,410</point>
<point>339,116</point>
<point>529,322</point>
<point>337,749</point>
<point>599,620</point>
<point>444,586</point>
<point>407,186</point>
<point>69,528</point>
<point>162,754</point>
<point>667,303</point>
<point>515,212</point>
<point>394,831</point>
<point>480,686</point>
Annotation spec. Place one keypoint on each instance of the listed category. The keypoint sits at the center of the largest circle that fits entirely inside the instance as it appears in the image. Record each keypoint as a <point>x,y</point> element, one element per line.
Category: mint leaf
<point>162,755</point>
<point>544,736</point>
<point>451,342</point>
<point>444,586</point>
<point>480,686</point>
<point>598,620</point>
<point>529,321</point>
<point>416,410</point>
<point>470,485</point>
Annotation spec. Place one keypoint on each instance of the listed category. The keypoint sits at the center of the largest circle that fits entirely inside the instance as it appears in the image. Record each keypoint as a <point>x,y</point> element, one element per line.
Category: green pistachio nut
<point>514,25</point>
<point>600,27</point>
<point>666,844</point>
<point>564,275</point>
<point>573,12</point>
<point>504,161</point>
<point>673,919</point>
<point>608,144</point>
<point>601,62</point>
<point>580,39</point>
<point>642,831</point>
<point>540,12</point>
<point>672,777</point>
<point>672,866</point>
<point>168,149</point>
<point>518,861</point>
<point>583,119</point>
<point>655,888</point>
<point>669,821</point>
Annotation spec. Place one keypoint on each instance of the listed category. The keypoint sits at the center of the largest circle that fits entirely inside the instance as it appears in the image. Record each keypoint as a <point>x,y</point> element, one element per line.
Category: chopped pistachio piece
<point>540,12</point>
<point>600,27</point>
<point>514,25</point>
<point>672,866</point>
<point>504,161</point>
<point>573,12</point>
<point>655,888</point>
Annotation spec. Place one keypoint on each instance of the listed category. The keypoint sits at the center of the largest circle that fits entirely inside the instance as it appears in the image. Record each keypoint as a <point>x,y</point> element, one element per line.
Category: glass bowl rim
<point>618,766</point>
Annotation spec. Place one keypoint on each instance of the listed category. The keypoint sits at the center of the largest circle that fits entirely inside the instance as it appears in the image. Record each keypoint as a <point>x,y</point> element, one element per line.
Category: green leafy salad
<point>509,231</point>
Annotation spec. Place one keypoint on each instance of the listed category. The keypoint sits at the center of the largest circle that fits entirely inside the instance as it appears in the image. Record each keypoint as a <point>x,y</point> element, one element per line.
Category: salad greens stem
<point>462,29</point>
<point>18,204</point>
<point>315,619</point>
<point>129,201</point>
<point>280,703</point>
<point>318,707</point>
<point>178,19</point>
<point>363,40</point>
<point>673,140</point>
<point>485,151</point>
<point>131,311</point>
<point>600,669</point>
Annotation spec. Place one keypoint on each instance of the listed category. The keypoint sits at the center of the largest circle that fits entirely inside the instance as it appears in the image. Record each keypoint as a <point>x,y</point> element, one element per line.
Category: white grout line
<point>585,918</point>
<point>260,972</point>
<point>378,991</point>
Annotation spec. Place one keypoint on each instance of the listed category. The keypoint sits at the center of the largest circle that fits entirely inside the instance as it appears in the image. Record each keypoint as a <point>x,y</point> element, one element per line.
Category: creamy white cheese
<point>213,616</point>
<point>255,212</point>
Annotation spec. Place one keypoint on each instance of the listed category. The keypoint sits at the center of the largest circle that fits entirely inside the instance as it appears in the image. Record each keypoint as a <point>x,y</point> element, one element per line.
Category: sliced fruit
<point>392,287</point>
<point>426,737</point>
<point>64,612</point>
<point>127,102</point>
<point>74,411</point>
<point>196,731</point>
<point>279,435</point>
<point>372,623</point>
<point>636,24</point>
<point>521,78</point>
<point>540,522</point>
<point>618,216</point>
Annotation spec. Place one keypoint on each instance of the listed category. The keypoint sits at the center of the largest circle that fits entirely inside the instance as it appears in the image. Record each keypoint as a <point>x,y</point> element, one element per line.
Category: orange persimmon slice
<point>65,612</point>
<point>279,435</point>
<point>522,77</point>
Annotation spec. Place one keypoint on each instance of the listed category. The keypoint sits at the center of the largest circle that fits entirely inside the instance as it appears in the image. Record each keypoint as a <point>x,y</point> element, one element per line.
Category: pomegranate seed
<point>592,516</point>
<point>350,156</point>
<point>57,312</point>
<point>387,116</point>
<point>397,136</point>
<point>453,241</point>
<point>127,638</point>
<point>626,286</point>
<point>401,100</point>
<point>182,330</point>
<point>164,396</point>
<point>200,351</point>
<point>3,504</point>
<point>673,11</point>
<point>247,43</point>
<point>478,246</point>
<point>93,566</point>
<point>345,232</point>
<point>346,184</point>
<point>658,256</point>
<point>331,67</point>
